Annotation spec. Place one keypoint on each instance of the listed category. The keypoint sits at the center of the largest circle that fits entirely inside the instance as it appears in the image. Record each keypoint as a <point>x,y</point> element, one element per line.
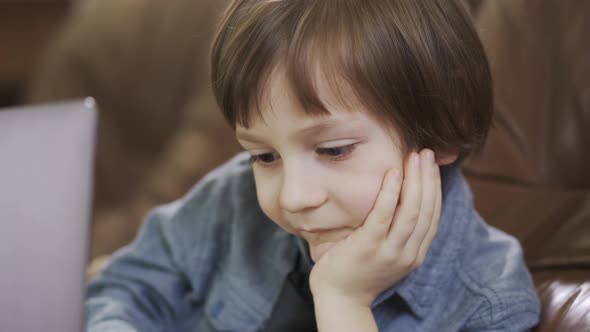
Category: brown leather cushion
<point>553,227</point>
<point>565,296</point>
<point>146,63</point>
<point>552,224</point>
<point>540,59</point>
<point>532,179</point>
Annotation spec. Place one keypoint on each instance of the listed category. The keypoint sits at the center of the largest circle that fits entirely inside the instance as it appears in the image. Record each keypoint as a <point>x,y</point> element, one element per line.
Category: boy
<point>353,213</point>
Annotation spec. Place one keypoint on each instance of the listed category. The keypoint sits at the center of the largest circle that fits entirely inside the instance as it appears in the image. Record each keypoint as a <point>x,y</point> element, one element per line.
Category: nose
<point>300,190</point>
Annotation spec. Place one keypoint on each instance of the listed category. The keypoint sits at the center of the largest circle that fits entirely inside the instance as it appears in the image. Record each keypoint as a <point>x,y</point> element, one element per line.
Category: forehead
<point>336,98</point>
<point>282,115</point>
<point>282,111</point>
<point>278,99</point>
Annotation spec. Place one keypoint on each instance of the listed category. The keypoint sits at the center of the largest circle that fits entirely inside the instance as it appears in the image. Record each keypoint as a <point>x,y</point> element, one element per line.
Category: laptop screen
<point>46,172</point>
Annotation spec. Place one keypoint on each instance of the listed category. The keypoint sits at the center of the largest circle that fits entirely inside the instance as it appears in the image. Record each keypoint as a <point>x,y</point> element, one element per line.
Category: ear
<point>445,158</point>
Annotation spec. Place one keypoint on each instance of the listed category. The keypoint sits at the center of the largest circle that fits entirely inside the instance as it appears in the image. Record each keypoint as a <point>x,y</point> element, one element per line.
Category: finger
<point>427,206</point>
<point>406,216</point>
<point>379,219</point>
<point>435,216</point>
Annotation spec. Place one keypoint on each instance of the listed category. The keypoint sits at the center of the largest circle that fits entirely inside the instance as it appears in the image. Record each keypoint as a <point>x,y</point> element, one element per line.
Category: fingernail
<point>430,156</point>
<point>396,173</point>
<point>416,159</point>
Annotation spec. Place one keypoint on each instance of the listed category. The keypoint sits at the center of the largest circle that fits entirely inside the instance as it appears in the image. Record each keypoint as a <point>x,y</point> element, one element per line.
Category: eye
<point>337,152</point>
<point>264,159</point>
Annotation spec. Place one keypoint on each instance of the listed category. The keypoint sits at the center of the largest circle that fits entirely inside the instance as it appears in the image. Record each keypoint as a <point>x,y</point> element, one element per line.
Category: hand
<point>392,242</point>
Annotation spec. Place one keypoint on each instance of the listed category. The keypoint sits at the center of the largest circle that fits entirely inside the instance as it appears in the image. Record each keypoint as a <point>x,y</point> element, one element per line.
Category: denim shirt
<point>213,261</point>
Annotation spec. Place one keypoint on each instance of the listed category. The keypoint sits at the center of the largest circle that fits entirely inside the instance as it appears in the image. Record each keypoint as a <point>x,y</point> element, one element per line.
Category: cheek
<point>358,194</point>
<point>268,194</point>
<point>358,197</point>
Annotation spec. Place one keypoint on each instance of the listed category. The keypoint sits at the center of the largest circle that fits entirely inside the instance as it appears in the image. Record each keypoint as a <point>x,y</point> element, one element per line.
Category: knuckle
<point>382,213</point>
<point>381,210</point>
<point>406,262</point>
<point>418,261</point>
<point>387,218</point>
<point>389,192</point>
<point>414,215</point>
<point>391,257</point>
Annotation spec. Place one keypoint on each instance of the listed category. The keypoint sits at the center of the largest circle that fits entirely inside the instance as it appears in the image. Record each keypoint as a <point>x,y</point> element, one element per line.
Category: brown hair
<point>418,65</point>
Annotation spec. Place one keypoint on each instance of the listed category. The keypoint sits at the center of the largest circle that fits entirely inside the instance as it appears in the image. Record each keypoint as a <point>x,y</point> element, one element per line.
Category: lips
<point>326,235</point>
<point>322,241</point>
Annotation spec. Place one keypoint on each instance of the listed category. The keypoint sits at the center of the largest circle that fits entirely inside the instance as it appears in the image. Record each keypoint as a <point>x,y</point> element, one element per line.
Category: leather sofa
<point>532,179</point>
<point>145,62</point>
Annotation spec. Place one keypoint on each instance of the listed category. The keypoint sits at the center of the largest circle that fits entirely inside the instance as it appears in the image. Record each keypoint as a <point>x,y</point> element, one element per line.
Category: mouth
<point>319,235</point>
<point>321,240</point>
<point>317,230</point>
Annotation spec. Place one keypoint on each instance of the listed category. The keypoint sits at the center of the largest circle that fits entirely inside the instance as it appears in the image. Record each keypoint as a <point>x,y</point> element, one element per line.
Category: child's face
<point>317,177</point>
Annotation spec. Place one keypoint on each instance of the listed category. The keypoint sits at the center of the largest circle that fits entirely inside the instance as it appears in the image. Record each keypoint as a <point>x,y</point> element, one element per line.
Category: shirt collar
<point>306,262</point>
<point>420,286</point>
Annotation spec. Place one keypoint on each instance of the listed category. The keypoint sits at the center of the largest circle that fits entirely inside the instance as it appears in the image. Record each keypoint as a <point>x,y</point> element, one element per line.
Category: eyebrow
<point>311,130</point>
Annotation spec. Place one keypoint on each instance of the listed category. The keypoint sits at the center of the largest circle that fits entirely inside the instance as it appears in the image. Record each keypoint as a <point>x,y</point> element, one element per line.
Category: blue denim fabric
<point>212,261</point>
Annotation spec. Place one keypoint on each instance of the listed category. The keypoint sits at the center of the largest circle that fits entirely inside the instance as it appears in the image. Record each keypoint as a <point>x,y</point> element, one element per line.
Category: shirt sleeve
<point>142,288</point>
<point>113,326</point>
<point>518,314</point>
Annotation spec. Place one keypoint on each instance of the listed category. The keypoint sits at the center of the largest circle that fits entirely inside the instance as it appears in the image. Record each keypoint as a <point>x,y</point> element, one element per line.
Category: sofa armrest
<point>553,225</point>
<point>565,298</point>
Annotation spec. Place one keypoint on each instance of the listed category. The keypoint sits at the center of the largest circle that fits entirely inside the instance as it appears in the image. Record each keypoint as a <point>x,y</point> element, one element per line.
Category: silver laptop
<point>46,158</point>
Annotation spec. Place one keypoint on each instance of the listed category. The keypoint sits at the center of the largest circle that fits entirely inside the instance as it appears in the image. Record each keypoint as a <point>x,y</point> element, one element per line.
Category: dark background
<point>26,27</point>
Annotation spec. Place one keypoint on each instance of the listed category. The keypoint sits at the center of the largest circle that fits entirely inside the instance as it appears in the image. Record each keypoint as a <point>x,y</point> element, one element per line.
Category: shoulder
<point>220,217</point>
<point>502,309</point>
<point>230,185</point>
<point>234,256</point>
<point>495,276</point>
<point>203,221</point>
<point>220,195</point>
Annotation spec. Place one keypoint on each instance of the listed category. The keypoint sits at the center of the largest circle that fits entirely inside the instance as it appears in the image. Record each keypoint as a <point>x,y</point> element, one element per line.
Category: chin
<point>317,251</point>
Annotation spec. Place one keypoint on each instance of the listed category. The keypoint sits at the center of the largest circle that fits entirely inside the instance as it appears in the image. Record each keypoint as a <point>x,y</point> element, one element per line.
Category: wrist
<point>337,312</point>
<point>330,297</point>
